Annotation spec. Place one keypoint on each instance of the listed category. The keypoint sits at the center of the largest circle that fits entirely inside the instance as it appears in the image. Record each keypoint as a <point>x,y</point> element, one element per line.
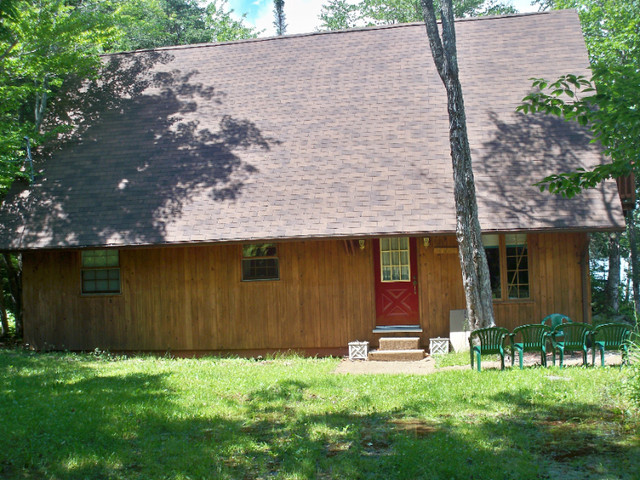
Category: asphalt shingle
<point>313,136</point>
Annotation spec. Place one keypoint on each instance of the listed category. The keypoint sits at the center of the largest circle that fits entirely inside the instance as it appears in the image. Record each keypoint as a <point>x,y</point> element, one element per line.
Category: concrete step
<point>396,355</point>
<point>399,343</point>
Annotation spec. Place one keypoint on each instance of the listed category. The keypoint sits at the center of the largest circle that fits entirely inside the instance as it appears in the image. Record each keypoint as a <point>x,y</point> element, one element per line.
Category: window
<point>508,259</point>
<point>394,260</point>
<point>100,271</point>
<point>260,262</point>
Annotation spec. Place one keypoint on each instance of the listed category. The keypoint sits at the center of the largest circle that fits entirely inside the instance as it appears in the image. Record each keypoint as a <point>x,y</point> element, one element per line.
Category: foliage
<point>279,21</point>
<point>142,24</point>
<point>100,416</point>
<point>343,14</point>
<point>632,382</point>
<point>609,102</point>
<point>43,43</point>
<point>611,111</point>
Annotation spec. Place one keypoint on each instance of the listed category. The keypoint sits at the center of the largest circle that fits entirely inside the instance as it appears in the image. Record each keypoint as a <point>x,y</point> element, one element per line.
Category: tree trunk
<point>4,323</point>
<point>612,290</point>
<point>473,262</point>
<point>15,289</point>
<point>635,261</point>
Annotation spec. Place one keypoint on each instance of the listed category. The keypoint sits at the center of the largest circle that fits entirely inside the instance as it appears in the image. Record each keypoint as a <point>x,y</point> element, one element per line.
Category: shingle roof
<point>313,136</point>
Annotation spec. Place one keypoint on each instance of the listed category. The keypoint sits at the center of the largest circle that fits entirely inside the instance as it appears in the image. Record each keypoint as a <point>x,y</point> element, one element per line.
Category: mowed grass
<point>66,416</point>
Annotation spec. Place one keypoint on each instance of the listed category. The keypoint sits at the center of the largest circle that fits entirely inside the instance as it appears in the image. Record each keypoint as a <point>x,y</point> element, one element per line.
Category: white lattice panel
<point>358,350</point>
<point>438,346</point>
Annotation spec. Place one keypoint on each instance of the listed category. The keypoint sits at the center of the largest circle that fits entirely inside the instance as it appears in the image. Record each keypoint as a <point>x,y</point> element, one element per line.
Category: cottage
<point>296,193</point>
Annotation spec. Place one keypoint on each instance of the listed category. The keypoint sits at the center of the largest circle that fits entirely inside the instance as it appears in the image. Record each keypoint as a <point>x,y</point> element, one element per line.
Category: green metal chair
<point>533,338</point>
<point>569,337</point>
<point>611,336</point>
<point>487,340</point>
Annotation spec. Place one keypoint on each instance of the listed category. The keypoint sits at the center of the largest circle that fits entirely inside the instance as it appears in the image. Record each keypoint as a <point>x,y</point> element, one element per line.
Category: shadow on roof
<point>137,158</point>
<point>525,150</point>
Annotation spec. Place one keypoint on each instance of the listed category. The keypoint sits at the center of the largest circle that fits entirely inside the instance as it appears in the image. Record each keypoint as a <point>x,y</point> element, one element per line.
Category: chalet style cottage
<point>296,193</point>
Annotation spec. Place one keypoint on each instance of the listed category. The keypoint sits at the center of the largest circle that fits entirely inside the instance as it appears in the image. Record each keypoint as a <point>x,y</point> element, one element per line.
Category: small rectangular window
<point>260,262</point>
<point>100,272</point>
<point>517,266</point>
<point>492,251</point>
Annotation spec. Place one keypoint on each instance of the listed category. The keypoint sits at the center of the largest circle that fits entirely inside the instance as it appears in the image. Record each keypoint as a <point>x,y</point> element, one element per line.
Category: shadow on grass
<point>70,419</point>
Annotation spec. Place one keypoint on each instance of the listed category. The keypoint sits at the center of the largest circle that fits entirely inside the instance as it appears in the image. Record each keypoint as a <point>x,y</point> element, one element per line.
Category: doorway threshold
<point>398,329</point>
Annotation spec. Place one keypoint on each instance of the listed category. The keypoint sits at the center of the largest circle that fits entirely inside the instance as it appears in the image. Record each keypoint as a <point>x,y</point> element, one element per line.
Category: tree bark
<point>635,261</point>
<point>612,290</point>
<point>4,323</point>
<point>473,262</point>
<point>15,289</point>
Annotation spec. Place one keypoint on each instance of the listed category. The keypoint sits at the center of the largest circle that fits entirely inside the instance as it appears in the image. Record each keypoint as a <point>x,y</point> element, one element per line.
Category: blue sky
<point>302,15</point>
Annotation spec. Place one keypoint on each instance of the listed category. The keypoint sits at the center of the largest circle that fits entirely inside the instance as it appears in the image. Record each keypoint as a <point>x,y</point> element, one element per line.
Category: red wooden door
<point>396,274</point>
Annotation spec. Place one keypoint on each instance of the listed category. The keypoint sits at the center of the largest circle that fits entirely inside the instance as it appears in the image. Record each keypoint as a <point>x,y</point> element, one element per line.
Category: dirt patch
<point>427,366</point>
<point>414,427</point>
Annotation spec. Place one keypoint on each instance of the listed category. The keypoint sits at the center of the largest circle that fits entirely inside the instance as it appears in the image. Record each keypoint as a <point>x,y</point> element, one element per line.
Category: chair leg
<point>601,348</point>
<point>520,359</point>
<point>543,354</point>
<point>478,360</point>
<point>471,355</point>
<point>561,350</point>
<point>502,361</point>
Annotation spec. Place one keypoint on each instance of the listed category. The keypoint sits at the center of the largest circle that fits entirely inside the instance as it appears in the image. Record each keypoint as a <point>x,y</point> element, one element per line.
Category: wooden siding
<point>192,298</point>
<point>554,274</point>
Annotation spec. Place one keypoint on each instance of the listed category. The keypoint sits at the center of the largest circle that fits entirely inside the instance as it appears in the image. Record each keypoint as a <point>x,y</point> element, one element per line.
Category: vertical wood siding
<point>192,298</point>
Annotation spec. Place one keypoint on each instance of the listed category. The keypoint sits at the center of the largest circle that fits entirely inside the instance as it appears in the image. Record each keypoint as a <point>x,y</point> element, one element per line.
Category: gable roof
<point>313,136</point>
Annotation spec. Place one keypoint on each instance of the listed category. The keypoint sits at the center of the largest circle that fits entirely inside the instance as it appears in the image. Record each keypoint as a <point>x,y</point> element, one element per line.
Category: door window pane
<point>395,260</point>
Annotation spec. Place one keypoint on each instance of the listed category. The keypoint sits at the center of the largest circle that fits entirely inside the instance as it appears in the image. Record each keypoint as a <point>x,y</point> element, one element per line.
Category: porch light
<point>361,243</point>
<point>426,241</point>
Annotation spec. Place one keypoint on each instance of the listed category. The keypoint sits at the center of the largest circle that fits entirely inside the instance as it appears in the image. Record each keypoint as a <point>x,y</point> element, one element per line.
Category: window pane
<point>386,274</point>
<point>405,273</point>
<point>394,244</point>
<point>395,273</point>
<point>386,258</point>
<point>384,244</point>
<point>403,243</point>
<point>517,266</point>
<point>516,239</point>
<point>491,240</point>
<point>260,269</point>
<point>493,259</point>
<point>101,281</point>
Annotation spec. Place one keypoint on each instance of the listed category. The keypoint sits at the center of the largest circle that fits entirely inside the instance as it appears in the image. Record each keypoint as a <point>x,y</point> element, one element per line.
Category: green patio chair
<point>569,337</point>
<point>555,319</point>
<point>611,336</point>
<point>532,338</point>
<point>487,340</point>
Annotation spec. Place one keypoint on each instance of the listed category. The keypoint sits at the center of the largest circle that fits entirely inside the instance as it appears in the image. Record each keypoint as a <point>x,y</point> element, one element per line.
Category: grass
<point>67,416</point>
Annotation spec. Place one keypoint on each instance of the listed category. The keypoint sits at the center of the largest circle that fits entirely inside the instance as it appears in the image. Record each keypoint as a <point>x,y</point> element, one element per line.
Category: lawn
<point>67,416</point>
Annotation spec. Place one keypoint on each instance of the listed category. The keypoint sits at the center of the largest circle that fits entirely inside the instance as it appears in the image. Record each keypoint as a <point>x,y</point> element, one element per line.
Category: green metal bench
<point>611,336</point>
<point>569,337</point>
<point>532,338</point>
<point>487,340</point>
